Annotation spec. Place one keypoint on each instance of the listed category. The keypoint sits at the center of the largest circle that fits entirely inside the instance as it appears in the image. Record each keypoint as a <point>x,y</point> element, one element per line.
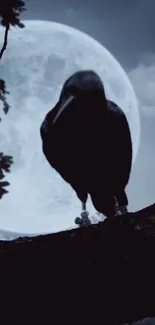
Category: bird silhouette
<point>86,139</point>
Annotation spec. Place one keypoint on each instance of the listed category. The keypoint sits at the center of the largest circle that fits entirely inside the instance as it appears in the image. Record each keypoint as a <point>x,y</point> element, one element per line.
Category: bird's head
<point>84,91</point>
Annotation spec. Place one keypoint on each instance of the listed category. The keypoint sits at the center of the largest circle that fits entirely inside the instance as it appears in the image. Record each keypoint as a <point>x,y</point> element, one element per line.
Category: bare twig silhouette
<point>5,41</point>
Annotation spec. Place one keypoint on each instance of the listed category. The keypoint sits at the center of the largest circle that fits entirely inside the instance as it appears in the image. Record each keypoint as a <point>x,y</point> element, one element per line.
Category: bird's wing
<point>121,144</point>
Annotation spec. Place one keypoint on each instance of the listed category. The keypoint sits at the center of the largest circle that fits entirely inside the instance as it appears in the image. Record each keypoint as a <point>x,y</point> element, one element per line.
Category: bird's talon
<point>78,221</point>
<point>84,221</point>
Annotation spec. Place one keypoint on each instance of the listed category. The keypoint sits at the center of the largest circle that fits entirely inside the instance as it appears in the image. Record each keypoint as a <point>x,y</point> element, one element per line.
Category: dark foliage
<point>9,12</point>
<point>3,93</point>
<point>5,164</point>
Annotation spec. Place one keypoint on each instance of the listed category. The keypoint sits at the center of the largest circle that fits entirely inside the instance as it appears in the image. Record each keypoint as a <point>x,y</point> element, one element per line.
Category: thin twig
<point>5,40</point>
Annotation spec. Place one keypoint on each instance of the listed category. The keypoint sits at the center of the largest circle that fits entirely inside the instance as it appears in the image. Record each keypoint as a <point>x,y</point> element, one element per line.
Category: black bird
<point>87,139</point>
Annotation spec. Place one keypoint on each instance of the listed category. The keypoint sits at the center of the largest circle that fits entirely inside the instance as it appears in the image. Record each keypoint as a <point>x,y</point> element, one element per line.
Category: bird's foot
<point>84,221</point>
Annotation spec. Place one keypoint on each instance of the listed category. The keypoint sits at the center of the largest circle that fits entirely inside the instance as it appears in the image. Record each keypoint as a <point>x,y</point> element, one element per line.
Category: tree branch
<point>5,40</point>
<point>103,274</point>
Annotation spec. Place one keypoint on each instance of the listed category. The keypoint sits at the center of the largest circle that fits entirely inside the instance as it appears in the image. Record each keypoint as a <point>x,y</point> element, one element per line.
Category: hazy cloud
<point>143,80</point>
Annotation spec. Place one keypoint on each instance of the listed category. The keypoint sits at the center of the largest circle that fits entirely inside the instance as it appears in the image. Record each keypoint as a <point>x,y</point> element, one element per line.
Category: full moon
<point>36,63</point>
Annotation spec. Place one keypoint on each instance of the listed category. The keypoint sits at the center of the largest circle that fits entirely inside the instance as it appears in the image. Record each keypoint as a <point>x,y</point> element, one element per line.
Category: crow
<point>86,138</point>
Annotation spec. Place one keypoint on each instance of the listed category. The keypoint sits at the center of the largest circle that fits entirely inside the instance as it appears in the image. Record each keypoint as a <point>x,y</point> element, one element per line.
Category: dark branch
<point>103,274</point>
<point>5,40</point>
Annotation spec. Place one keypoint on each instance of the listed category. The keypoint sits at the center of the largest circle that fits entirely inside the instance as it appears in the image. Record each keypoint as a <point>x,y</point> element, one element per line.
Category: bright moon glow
<point>38,60</point>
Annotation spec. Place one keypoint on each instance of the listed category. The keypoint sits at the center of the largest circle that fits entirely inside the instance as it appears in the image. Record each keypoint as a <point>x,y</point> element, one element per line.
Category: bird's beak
<point>64,106</point>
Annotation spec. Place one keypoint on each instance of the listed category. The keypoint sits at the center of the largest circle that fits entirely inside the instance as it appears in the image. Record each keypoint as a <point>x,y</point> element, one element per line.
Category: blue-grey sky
<point>126,29</point>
